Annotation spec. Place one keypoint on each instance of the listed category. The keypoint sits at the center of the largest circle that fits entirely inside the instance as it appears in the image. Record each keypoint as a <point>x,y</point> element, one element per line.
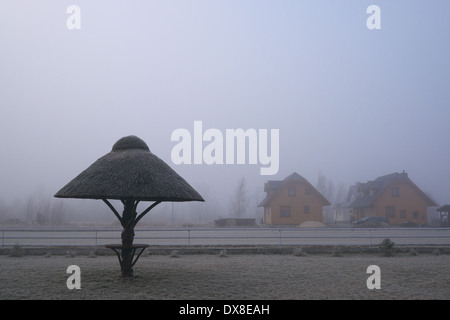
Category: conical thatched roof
<point>130,170</point>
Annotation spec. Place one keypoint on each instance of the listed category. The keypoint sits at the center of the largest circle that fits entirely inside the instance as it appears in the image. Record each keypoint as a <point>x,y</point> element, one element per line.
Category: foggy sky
<point>349,102</point>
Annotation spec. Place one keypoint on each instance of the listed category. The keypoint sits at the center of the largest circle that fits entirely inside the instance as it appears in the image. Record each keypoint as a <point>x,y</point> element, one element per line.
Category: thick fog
<point>350,103</point>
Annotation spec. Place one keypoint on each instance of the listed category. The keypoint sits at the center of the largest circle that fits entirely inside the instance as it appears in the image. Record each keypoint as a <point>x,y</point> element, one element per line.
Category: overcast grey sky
<point>349,102</point>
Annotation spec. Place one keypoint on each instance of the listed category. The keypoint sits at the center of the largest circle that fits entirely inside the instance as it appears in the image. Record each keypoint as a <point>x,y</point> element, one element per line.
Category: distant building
<point>292,201</point>
<point>235,222</point>
<point>393,196</point>
<point>444,212</point>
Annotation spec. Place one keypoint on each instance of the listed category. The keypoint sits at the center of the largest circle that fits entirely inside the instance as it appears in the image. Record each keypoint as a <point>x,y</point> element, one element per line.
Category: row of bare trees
<point>37,209</point>
<point>41,209</point>
<point>335,195</point>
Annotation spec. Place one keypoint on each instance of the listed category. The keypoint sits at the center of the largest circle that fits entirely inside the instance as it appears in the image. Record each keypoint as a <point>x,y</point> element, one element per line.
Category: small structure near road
<point>235,222</point>
<point>444,213</point>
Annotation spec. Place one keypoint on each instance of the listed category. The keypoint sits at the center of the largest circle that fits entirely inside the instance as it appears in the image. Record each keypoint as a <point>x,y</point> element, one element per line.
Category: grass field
<point>239,276</point>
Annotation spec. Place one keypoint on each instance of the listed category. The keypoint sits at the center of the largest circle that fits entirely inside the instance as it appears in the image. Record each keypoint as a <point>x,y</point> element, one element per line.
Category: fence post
<point>279,231</point>
<point>189,237</point>
<point>96,236</point>
<point>370,237</point>
<point>3,238</point>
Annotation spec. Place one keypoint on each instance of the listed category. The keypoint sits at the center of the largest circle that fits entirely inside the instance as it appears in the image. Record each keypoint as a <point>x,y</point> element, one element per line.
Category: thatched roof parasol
<point>130,170</point>
<point>130,173</point>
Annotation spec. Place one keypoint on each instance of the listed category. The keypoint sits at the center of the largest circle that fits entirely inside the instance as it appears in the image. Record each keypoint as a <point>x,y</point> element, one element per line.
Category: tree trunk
<point>127,238</point>
<point>128,220</point>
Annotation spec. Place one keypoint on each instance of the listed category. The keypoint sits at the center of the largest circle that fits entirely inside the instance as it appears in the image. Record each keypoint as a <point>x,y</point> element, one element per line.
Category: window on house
<point>307,191</point>
<point>285,211</point>
<point>390,212</point>
<point>402,213</point>
<point>291,191</point>
<point>415,214</point>
<point>395,192</point>
<point>306,209</point>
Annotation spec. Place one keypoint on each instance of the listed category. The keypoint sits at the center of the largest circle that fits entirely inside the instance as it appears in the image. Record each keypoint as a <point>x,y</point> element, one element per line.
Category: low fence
<point>226,236</point>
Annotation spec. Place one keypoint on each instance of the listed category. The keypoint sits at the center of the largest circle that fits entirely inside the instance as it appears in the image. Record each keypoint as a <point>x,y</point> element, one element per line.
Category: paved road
<point>235,236</point>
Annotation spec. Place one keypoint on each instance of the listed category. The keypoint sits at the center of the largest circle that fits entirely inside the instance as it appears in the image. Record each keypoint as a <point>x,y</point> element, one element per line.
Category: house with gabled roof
<point>393,196</point>
<point>292,201</point>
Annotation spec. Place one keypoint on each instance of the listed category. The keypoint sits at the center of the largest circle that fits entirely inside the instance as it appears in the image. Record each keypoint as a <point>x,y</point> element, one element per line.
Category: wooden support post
<point>128,221</point>
<point>128,216</point>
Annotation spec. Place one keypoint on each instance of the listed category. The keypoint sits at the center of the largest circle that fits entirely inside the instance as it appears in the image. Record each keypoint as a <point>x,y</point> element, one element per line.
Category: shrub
<point>336,252</point>
<point>222,253</point>
<point>92,254</point>
<point>386,248</point>
<point>16,251</point>
<point>437,252</point>
<point>71,253</point>
<point>298,252</point>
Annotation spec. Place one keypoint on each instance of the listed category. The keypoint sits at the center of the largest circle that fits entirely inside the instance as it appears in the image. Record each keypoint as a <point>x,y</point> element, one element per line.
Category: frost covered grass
<point>242,276</point>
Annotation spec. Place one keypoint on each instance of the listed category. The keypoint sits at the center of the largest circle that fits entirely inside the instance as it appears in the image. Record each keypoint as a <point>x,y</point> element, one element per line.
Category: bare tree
<point>337,198</point>
<point>30,210</point>
<point>3,210</point>
<point>17,210</point>
<point>240,200</point>
<point>258,196</point>
<point>339,203</point>
<point>321,185</point>
<point>326,188</point>
<point>57,213</point>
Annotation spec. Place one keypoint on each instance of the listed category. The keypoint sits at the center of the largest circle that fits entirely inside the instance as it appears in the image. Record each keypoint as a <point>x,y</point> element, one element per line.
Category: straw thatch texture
<point>130,170</point>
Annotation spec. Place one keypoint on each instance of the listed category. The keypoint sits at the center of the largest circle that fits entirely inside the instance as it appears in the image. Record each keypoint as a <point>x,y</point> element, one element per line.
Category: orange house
<point>392,196</point>
<point>292,201</point>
